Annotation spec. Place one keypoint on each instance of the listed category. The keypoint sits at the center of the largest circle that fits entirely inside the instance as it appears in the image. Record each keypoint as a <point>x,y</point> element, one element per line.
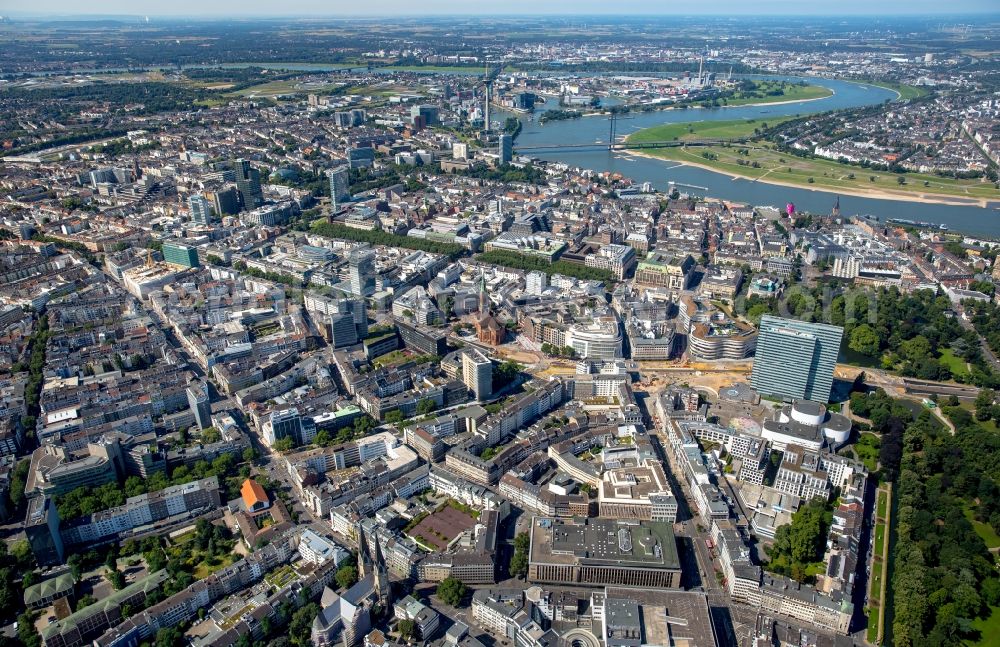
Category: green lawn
<point>273,89</point>
<point>790,92</point>
<point>390,359</point>
<point>183,538</point>
<point>867,450</point>
<point>984,530</point>
<point>210,103</point>
<point>280,577</point>
<point>268,89</point>
<point>774,166</point>
<point>957,365</point>
<point>816,568</point>
<point>702,130</point>
<point>876,614</point>
<point>905,91</point>
<point>205,568</point>
<point>988,425</point>
<point>989,630</point>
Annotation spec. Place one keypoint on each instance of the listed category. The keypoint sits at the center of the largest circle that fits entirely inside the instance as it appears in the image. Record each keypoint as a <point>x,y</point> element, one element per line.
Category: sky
<point>335,8</point>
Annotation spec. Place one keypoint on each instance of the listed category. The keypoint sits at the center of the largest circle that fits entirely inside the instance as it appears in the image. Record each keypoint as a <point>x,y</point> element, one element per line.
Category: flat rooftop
<point>671,617</point>
<point>633,483</point>
<point>604,542</point>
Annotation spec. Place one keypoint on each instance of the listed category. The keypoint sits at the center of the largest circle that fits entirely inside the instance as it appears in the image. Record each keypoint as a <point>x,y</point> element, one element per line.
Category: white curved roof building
<point>806,424</point>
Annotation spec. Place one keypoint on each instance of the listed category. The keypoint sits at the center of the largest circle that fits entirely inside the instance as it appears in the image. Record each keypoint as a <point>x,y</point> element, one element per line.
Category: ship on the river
<point>917,223</point>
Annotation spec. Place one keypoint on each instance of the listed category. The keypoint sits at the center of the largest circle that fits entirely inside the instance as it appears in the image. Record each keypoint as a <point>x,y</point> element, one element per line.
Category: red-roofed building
<point>254,496</point>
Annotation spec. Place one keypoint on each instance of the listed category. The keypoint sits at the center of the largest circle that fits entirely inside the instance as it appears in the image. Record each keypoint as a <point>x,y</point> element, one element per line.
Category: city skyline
<point>582,323</point>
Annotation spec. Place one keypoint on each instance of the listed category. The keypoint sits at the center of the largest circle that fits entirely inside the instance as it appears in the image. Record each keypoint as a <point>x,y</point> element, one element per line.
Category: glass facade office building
<point>182,255</point>
<point>795,359</point>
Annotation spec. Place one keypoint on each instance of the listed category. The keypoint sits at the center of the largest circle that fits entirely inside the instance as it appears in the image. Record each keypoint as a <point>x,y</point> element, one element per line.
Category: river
<point>973,220</point>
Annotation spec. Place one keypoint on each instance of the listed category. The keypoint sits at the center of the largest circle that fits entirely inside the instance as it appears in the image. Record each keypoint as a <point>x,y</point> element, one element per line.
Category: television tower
<point>487,111</point>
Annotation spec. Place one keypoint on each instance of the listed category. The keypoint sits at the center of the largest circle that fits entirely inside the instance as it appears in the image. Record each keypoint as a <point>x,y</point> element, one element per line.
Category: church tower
<point>483,299</point>
<point>383,588</point>
<point>364,554</point>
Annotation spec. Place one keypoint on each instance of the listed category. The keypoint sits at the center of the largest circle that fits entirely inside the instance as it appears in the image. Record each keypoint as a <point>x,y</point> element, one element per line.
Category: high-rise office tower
<point>200,208</point>
<point>477,373</point>
<point>505,148</point>
<point>358,309</point>
<point>537,282</point>
<point>428,112</point>
<point>343,331</point>
<point>182,255</point>
<point>285,423</point>
<point>340,185</point>
<point>226,201</point>
<point>198,400</point>
<point>361,264</point>
<point>795,359</point>
<point>248,184</point>
<point>361,157</point>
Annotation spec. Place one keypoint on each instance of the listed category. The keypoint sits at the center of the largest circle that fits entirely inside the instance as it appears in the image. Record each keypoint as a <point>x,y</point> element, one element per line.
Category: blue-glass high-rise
<point>795,359</point>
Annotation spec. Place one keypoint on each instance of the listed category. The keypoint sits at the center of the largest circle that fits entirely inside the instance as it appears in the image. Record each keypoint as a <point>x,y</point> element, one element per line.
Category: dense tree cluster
<point>276,277</point>
<point>799,545</point>
<point>944,575</point>
<point>560,351</point>
<point>362,427</point>
<point>888,417</point>
<point>18,480</point>
<point>120,147</point>
<point>986,407</point>
<point>505,373</point>
<point>376,237</point>
<point>986,320</point>
<point>36,365</point>
<point>913,329</point>
<point>519,562</point>
<point>86,500</point>
<point>452,591</point>
<point>526,174</point>
<point>559,115</point>
<point>524,262</point>
<point>15,562</point>
<point>211,545</point>
<point>77,137</point>
<point>153,96</point>
<point>905,332</point>
<point>347,573</point>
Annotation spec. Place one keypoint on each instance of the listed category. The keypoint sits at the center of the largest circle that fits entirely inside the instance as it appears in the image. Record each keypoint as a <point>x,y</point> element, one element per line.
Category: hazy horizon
<point>439,8</point>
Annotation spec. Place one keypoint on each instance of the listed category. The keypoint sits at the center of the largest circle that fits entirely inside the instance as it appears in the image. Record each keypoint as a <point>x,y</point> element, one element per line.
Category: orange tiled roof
<point>253,493</point>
